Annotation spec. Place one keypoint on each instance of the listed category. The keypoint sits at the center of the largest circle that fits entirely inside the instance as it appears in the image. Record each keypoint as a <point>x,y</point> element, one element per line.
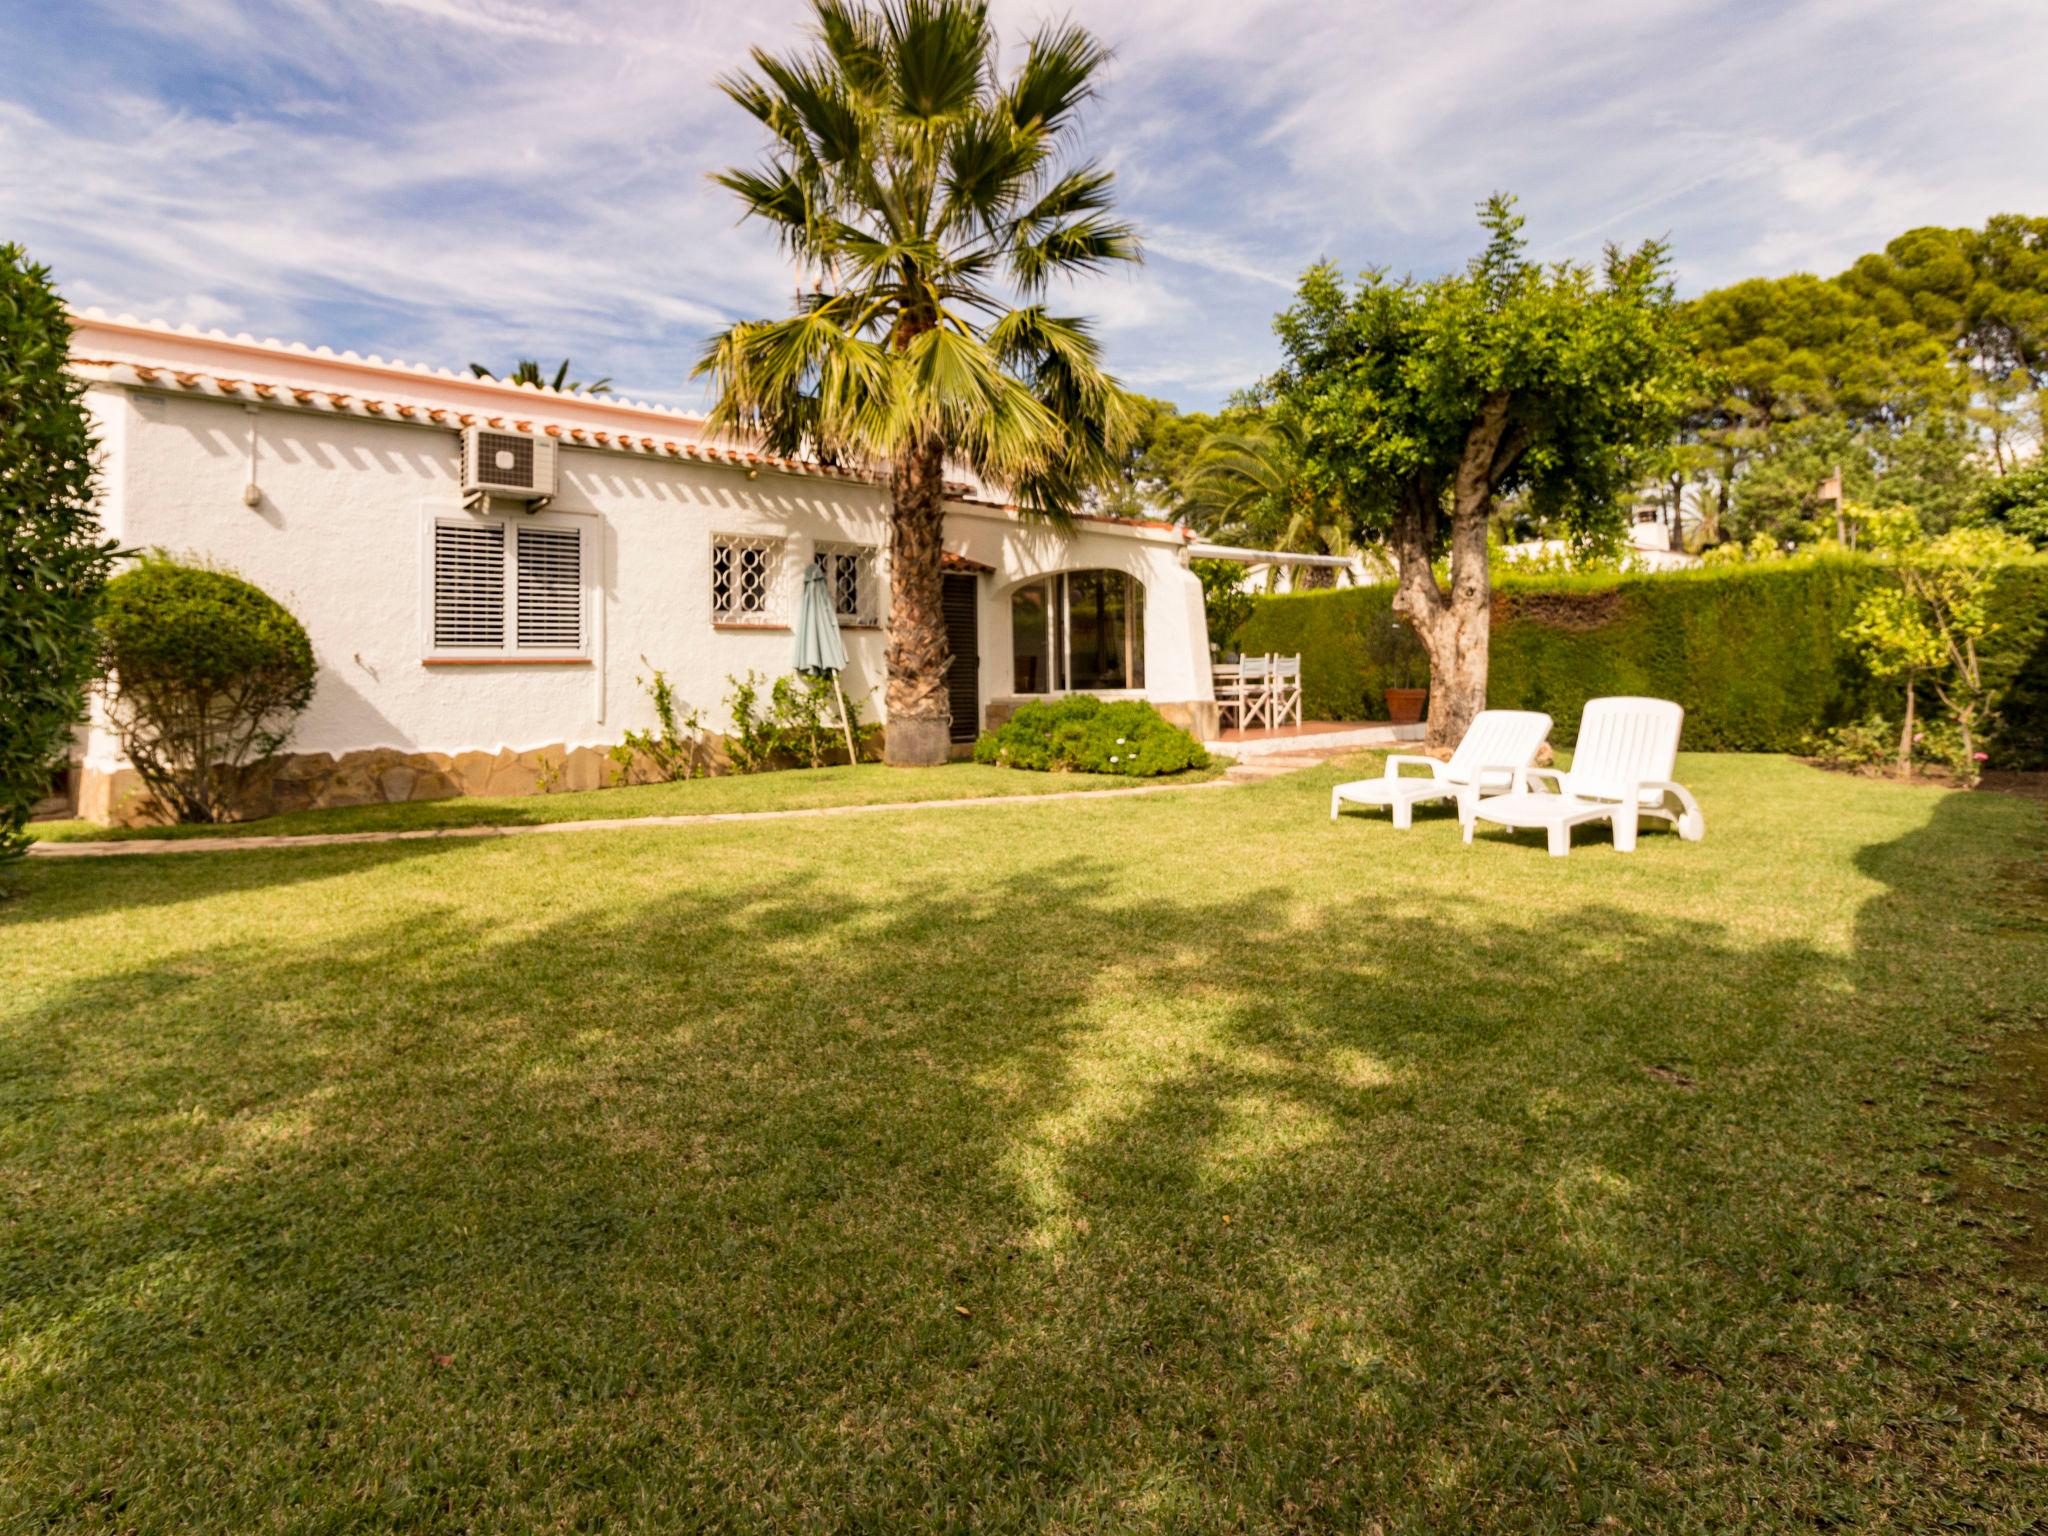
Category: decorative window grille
<point>469,586</point>
<point>507,587</point>
<point>746,580</point>
<point>852,581</point>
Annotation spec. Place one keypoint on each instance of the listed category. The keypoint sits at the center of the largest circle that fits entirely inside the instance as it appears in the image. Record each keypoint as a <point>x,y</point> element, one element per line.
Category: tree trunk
<point>1456,628</point>
<point>1906,733</point>
<point>918,733</point>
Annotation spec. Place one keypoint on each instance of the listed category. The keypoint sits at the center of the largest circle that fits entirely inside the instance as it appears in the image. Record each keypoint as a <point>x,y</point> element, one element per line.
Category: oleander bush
<point>204,675</point>
<point>1084,734</point>
<point>1755,652</point>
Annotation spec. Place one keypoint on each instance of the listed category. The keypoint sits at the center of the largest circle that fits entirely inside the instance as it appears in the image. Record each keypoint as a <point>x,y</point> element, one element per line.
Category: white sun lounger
<point>1497,743</point>
<point>1621,772</point>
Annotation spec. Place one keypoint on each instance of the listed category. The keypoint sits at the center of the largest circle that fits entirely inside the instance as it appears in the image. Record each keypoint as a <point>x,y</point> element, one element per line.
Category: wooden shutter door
<point>961,601</point>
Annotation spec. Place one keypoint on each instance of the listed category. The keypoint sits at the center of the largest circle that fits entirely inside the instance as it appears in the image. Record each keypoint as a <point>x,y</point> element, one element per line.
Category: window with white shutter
<point>550,594</point>
<point>469,586</point>
<point>508,589</point>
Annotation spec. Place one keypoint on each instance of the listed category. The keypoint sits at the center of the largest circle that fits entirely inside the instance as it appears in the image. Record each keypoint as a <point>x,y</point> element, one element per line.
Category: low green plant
<point>751,741</point>
<point>1871,742</point>
<point>673,750</point>
<point>1084,734</point>
<point>789,719</point>
<point>800,706</point>
<point>203,676</point>
<point>547,774</point>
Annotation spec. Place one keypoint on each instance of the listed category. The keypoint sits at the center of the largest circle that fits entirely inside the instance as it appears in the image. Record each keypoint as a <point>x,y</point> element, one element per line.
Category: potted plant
<point>1399,666</point>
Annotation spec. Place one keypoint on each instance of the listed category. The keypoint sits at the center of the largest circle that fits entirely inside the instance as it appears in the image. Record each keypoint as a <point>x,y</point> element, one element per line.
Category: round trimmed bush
<point>204,675</point>
<point>1084,734</point>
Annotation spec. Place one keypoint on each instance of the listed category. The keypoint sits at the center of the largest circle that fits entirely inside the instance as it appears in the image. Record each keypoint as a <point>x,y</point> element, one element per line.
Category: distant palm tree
<point>527,371</point>
<point>919,191</point>
<point>1247,485</point>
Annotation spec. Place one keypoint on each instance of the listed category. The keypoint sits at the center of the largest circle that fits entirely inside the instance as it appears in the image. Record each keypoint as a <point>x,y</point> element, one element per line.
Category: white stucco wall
<point>339,532</point>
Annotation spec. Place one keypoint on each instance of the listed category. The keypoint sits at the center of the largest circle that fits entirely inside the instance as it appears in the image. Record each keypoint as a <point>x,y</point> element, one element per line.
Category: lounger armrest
<point>1692,825</point>
<point>1525,773</point>
<point>1397,760</point>
<point>1501,775</point>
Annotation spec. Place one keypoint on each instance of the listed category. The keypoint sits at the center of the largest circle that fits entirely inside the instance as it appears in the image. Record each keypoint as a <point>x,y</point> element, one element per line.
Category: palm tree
<point>1247,485</point>
<point>928,204</point>
<point>527,371</point>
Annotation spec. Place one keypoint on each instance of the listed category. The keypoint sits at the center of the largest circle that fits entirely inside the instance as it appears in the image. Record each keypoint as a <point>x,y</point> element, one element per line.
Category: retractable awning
<point>1201,551</point>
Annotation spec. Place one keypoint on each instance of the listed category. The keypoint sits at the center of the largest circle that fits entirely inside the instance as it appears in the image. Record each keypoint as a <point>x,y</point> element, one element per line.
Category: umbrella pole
<point>852,752</point>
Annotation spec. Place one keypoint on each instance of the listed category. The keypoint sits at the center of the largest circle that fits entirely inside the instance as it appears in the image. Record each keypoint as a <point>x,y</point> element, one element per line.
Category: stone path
<point>1250,771</point>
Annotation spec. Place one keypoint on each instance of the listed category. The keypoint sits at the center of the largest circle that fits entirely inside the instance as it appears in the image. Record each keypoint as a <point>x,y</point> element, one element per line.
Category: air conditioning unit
<point>508,464</point>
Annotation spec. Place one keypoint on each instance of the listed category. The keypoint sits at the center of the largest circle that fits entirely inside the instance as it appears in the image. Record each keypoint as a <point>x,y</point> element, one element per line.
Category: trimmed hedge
<point>1754,652</point>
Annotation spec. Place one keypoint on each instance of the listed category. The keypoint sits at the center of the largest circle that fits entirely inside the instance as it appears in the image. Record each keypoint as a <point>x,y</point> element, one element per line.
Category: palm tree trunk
<point>918,655</point>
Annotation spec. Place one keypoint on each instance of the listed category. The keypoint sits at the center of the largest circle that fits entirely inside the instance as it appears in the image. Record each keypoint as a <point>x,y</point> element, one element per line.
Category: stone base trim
<point>303,781</point>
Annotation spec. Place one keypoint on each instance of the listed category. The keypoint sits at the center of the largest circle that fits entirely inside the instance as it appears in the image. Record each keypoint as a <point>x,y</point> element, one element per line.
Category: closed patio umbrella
<point>819,650</point>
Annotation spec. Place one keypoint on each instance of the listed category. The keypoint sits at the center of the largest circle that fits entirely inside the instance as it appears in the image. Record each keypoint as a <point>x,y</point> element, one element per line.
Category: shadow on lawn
<point>1018,1202</point>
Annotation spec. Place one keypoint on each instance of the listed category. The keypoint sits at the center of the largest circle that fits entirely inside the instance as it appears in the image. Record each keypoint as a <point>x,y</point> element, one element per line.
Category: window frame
<point>510,652</point>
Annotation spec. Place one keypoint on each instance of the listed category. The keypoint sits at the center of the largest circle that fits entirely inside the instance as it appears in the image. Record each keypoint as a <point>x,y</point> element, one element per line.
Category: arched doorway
<point>1078,632</point>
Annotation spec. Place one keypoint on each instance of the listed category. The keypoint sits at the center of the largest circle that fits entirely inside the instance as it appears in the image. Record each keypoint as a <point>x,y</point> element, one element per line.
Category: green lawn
<point>1177,1164</point>
<point>797,789</point>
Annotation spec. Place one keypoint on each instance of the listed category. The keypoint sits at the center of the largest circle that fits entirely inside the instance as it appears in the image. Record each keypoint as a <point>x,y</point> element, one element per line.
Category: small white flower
<point>1119,741</point>
<point>1114,758</point>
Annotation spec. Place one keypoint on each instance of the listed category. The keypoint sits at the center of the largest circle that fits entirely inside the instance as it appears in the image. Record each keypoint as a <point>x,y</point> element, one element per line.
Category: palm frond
<point>1057,76</point>
<point>939,53</point>
<point>1086,244</point>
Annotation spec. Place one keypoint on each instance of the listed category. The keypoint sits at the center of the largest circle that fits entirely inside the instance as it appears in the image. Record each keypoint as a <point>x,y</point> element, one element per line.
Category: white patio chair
<point>1496,744</point>
<point>1621,772</point>
<point>1285,692</point>
<point>1250,698</point>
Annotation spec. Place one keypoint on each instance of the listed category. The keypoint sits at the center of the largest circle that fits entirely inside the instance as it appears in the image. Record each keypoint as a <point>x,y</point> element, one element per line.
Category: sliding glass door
<point>1078,632</point>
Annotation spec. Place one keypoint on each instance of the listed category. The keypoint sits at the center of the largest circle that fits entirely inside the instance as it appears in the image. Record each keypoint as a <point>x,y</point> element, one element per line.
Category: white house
<point>460,638</point>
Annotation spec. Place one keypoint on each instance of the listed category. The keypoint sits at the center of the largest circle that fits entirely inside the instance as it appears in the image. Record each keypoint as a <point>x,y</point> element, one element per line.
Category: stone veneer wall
<point>302,781</point>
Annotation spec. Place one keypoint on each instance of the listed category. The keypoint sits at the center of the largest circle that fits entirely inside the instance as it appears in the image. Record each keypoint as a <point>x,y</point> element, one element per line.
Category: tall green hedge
<point>1754,652</point>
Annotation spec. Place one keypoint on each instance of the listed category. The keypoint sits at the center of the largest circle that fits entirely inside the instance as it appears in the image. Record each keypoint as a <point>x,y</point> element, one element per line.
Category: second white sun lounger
<point>1621,772</point>
<point>1497,743</point>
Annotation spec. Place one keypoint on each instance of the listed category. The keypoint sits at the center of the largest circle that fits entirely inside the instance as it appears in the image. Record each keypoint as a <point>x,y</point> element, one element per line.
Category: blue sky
<point>442,180</point>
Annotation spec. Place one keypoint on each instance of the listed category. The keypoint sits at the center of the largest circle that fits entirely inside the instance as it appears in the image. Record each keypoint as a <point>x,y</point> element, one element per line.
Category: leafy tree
<point>1421,403</point>
<point>2018,502</point>
<point>53,562</point>
<point>527,371</point>
<point>205,673</point>
<point>1931,618</point>
<point>1984,294</point>
<point>1803,355</point>
<point>920,190</point>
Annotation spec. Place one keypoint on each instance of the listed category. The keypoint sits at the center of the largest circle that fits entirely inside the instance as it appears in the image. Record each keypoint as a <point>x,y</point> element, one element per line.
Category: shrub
<point>53,562</point>
<point>1084,734</point>
<point>674,749</point>
<point>797,725</point>
<point>204,676</point>
<point>1754,651</point>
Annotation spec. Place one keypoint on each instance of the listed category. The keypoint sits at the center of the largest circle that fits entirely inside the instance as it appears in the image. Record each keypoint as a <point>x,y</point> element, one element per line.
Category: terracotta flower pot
<point>1405,705</point>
